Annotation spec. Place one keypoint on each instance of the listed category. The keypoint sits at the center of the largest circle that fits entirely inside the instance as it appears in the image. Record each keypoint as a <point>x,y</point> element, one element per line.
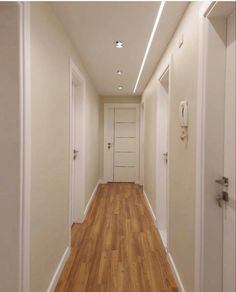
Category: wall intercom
<point>183,119</point>
<point>183,113</point>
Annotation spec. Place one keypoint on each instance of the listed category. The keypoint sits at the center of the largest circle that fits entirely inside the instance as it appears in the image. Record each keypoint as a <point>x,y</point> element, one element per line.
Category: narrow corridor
<point>117,248</point>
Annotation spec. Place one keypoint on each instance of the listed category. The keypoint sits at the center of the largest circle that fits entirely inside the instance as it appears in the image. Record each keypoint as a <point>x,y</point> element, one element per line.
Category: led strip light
<point>149,43</point>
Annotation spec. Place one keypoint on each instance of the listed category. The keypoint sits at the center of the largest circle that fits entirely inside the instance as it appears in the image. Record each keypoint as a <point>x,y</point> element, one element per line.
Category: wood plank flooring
<point>117,248</point>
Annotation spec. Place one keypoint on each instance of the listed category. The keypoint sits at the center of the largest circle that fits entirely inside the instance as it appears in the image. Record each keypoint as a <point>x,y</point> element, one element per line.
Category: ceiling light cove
<point>158,16</point>
<point>119,44</point>
<point>120,87</point>
<point>119,72</point>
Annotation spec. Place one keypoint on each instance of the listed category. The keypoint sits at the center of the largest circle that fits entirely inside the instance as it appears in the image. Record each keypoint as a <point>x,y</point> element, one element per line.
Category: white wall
<point>110,99</point>
<point>9,147</point>
<point>50,53</point>
<point>184,79</point>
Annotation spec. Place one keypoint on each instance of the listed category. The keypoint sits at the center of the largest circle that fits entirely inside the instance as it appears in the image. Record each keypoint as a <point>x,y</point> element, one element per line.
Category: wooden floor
<point>117,248</point>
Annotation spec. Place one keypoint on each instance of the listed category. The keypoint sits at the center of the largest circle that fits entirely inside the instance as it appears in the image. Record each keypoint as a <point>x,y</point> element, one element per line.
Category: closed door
<point>75,150</point>
<point>219,198</point>
<point>162,154</point>
<point>121,143</point>
<point>229,218</point>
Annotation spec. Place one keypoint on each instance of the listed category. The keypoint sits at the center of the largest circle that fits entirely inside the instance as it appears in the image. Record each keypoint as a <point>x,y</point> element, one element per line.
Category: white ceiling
<point>95,26</point>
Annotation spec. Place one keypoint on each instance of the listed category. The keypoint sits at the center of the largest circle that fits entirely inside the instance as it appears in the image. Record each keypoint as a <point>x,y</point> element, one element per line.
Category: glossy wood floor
<point>117,248</point>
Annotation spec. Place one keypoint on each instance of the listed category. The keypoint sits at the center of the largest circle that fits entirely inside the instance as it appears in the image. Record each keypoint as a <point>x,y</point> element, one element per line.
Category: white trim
<point>166,67</point>
<point>149,206</point>
<point>25,148</point>
<point>75,74</point>
<point>199,214</point>
<point>59,270</point>
<point>102,181</point>
<point>200,150</point>
<point>141,147</point>
<point>176,274</point>
<point>91,199</point>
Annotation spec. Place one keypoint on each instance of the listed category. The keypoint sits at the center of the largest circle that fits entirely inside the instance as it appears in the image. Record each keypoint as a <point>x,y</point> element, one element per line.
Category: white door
<point>121,143</point>
<point>219,196</point>
<point>75,149</point>
<point>162,154</point>
<point>141,179</point>
<point>109,114</point>
<point>229,225</point>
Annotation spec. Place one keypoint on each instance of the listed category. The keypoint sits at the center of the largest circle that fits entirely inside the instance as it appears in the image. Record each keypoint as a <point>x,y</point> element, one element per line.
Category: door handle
<point>224,181</point>
<point>165,156</point>
<point>223,197</point>
<point>109,144</point>
<point>75,153</point>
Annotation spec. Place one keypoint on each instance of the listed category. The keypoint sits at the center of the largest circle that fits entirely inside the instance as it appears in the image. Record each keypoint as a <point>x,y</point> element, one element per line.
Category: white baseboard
<point>163,238</point>
<point>149,206</point>
<point>58,271</point>
<point>102,181</point>
<point>175,272</point>
<point>91,198</point>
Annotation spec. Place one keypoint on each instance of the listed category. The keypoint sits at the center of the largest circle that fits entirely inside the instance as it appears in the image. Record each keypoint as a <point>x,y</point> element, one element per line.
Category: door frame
<point>141,158</point>
<point>167,66</point>
<point>126,105</point>
<point>25,147</point>
<point>77,77</point>
<point>206,9</point>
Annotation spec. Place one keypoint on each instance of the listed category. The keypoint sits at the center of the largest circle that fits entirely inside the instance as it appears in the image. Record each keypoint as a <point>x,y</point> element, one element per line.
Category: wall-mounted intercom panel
<point>183,119</point>
<point>183,113</point>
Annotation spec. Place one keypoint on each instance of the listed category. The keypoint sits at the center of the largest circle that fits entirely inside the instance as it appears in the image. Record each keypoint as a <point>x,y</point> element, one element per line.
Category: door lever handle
<point>75,154</point>
<point>221,198</point>
<point>225,196</point>
<point>224,181</point>
<point>165,155</point>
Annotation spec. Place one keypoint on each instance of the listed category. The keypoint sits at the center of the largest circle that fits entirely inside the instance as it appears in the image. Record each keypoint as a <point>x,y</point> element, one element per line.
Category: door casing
<point>165,70</point>
<point>203,173</point>
<point>77,79</point>
<point>142,126</point>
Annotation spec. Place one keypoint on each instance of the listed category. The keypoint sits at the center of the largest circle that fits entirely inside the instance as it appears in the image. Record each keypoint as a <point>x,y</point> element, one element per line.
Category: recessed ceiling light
<point>119,72</point>
<point>120,87</point>
<point>119,44</point>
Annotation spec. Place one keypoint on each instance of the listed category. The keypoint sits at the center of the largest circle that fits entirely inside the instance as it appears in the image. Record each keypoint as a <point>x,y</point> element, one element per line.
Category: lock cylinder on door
<point>109,145</point>
<point>224,196</point>
<point>75,153</point>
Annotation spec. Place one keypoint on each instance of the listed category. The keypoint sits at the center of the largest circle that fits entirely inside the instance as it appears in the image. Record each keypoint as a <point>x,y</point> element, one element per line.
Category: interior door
<point>219,168</point>
<point>75,147</point>
<point>109,115</point>
<point>125,156</point>
<point>229,224</point>
<point>162,154</point>
<point>121,143</point>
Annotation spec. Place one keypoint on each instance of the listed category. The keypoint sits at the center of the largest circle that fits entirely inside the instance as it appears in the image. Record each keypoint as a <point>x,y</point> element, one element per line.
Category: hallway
<point>117,247</point>
<point>117,146</point>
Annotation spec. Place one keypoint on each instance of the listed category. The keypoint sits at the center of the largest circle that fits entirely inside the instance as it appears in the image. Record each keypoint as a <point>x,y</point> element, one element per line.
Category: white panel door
<point>219,165</point>
<point>125,115</point>
<point>75,161</point>
<point>109,144</point>
<point>162,156</point>
<point>121,130</point>
<point>125,145</point>
<point>229,228</point>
